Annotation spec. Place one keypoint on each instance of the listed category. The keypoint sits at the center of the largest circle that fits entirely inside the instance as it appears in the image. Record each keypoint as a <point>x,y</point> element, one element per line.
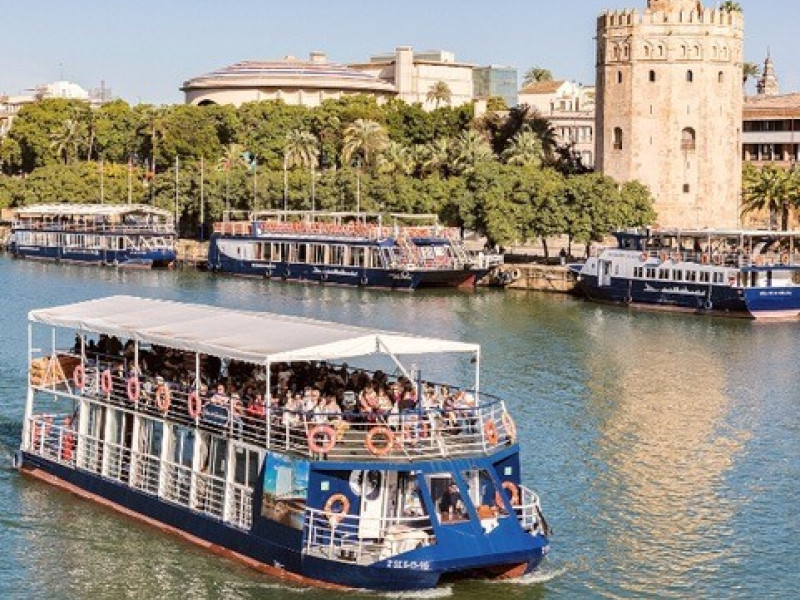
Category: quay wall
<point>540,278</point>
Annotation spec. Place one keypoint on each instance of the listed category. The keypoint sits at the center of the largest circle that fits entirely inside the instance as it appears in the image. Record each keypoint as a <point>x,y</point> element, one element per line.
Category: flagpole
<point>176,193</point>
<point>202,199</point>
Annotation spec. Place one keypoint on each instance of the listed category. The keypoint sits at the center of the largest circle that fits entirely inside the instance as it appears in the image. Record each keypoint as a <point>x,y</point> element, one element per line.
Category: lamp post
<point>285,184</point>
<point>358,185</point>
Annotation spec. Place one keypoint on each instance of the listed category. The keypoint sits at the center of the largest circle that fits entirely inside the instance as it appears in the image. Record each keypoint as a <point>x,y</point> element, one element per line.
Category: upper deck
<point>94,218</point>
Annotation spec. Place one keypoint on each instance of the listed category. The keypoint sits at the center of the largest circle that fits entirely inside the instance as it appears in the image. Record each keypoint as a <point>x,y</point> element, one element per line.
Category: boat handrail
<point>419,434</point>
<point>338,537</point>
<point>118,228</point>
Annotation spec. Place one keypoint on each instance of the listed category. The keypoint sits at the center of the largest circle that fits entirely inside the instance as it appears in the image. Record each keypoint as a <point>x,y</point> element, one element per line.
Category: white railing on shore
<point>409,436</point>
<point>339,538</point>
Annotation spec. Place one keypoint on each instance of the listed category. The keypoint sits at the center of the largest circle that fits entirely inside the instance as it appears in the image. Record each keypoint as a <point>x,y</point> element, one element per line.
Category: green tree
<point>535,74</point>
<point>469,150</point>
<point>525,148</point>
<point>68,140</point>
<point>729,6</point>
<point>749,70</point>
<point>364,138</point>
<point>302,150</point>
<point>439,93</point>
<point>396,159</point>
<point>770,188</point>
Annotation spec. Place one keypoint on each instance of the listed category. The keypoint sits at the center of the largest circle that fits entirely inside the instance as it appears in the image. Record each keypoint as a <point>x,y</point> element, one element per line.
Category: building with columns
<point>669,108</point>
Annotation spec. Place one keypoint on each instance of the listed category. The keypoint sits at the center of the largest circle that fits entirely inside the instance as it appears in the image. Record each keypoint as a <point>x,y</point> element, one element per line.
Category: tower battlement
<point>706,16</point>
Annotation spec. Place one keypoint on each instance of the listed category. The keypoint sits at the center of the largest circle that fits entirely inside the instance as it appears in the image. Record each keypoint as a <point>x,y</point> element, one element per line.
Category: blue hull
<point>122,258</point>
<point>277,548</point>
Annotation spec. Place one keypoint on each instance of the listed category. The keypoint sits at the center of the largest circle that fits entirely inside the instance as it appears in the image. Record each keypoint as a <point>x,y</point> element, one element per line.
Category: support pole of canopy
<point>197,378</point>
<point>477,376</point>
<point>381,347</point>
<point>268,401</point>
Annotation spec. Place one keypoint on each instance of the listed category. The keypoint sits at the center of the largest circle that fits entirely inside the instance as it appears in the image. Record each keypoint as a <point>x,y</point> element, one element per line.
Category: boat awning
<point>252,337</point>
<point>85,210</point>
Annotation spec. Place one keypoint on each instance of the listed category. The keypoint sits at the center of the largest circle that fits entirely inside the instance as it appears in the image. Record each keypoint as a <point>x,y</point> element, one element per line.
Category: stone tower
<point>768,83</point>
<point>669,108</point>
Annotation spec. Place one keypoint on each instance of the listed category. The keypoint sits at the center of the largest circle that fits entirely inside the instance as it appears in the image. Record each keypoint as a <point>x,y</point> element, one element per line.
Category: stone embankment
<point>191,253</point>
<point>536,277</point>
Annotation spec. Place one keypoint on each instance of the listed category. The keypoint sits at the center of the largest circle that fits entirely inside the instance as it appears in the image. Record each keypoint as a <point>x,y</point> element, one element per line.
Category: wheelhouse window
<point>446,494</point>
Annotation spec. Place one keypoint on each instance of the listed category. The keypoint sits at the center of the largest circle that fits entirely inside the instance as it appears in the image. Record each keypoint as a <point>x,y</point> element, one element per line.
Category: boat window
<point>638,272</point>
<point>214,463</point>
<point>337,255</point>
<point>651,273</point>
<point>484,497</point>
<point>247,464</point>
<point>447,496</point>
<point>356,256</point>
<point>412,504</point>
<point>95,421</point>
<point>150,435</point>
<point>677,275</point>
<point>704,276</point>
<point>182,445</point>
<point>302,253</point>
<point>276,252</point>
<point>718,277</point>
<point>663,273</point>
<point>317,253</point>
<point>691,275</point>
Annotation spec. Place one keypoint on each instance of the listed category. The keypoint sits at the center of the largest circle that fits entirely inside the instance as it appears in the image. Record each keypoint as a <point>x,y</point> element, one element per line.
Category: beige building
<point>669,108</point>
<point>570,108</point>
<point>295,81</point>
<point>413,74</point>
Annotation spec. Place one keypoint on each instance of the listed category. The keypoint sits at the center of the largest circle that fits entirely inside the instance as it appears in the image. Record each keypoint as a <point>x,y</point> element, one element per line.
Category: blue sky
<point>145,49</point>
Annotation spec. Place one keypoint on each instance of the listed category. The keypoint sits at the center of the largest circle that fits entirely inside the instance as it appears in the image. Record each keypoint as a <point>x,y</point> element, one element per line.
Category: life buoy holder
<point>364,280</point>
<point>194,405</point>
<point>663,257</point>
<point>717,258</point>
<point>677,257</point>
<point>644,256</point>
<point>336,508</point>
<point>134,389</point>
<point>732,280</point>
<point>490,431</point>
<point>321,439</point>
<point>379,432</point>
<point>785,258</point>
<point>704,258</point>
<point>163,398</point>
<point>509,425</point>
<point>106,382</point>
<point>513,492</point>
<point>79,377</point>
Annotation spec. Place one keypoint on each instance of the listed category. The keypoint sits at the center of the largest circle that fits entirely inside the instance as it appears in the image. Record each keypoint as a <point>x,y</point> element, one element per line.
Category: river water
<point>664,446</point>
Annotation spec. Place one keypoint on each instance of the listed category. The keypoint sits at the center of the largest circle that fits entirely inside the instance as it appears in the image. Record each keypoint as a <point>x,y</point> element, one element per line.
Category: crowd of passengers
<point>312,392</point>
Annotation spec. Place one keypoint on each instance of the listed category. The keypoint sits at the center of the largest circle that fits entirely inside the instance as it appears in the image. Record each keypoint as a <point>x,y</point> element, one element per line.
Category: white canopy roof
<point>253,337</point>
<point>69,209</point>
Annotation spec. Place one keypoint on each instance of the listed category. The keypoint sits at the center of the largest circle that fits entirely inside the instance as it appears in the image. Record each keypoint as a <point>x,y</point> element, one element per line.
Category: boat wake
<point>541,575</point>
<point>439,592</point>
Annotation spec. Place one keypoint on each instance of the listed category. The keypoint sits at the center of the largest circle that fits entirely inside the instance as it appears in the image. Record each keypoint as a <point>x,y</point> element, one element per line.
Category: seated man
<point>451,506</point>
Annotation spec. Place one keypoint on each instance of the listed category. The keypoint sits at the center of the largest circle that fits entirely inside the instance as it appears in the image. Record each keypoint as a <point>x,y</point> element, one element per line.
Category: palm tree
<point>770,188</point>
<point>363,137</point>
<point>67,140</point>
<point>300,150</point>
<point>525,148</point>
<point>749,70</point>
<point>729,6</point>
<point>434,156</point>
<point>396,159</point>
<point>469,149</point>
<point>232,158</point>
<point>535,74</point>
<point>439,92</point>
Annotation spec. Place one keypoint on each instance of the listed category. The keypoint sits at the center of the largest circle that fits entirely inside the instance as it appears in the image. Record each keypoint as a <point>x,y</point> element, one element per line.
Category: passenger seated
<point>451,506</point>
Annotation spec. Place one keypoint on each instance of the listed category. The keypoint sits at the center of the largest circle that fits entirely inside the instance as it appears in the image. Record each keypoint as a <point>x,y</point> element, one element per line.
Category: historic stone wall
<point>669,109</point>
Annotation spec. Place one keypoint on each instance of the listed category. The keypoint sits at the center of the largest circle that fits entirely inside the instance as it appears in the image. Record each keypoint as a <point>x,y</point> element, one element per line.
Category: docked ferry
<point>124,235</point>
<point>359,249</point>
<point>346,477</point>
<point>754,274</point>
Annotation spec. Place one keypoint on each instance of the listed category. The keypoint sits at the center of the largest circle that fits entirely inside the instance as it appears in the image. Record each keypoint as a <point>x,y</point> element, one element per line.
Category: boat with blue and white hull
<point>753,274</point>
<point>348,477</point>
<point>357,249</point>
<point>125,235</point>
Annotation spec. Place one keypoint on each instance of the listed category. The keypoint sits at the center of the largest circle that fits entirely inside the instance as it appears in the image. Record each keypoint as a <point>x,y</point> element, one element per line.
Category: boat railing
<point>737,259</point>
<point>529,511</point>
<point>363,540</point>
<point>92,227</point>
<point>416,434</point>
<point>52,436</point>
<point>355,229</point>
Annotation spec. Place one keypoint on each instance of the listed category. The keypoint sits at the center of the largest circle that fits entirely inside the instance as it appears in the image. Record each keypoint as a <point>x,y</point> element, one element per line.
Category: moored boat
<point>753,274</point>
<point>358,249</point>
<point>353,477</point>
<point>126,235</point>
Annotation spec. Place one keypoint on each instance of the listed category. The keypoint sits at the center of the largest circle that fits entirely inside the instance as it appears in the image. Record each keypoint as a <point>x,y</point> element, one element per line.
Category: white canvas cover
<point>252,337</point>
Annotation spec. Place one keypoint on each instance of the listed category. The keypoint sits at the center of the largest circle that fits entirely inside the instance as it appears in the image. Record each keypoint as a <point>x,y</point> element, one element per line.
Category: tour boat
<point>358,249</point>
<point>109,234</point>
<point>754,274</point>
<point>362,493</point>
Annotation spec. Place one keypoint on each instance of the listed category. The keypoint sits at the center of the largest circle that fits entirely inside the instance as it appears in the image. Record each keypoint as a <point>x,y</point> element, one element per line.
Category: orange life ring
<point>759,260</point>
<point>785,258</point>
<point>664,257</point>
<point>704,258</point>
<point>105,382</point>
<point>79,377</point>
<point>163,398</point>
<point>134,389</point>
<point>334,516</point>
<point>194,405</point>
<point>645,256</point>
<point>321,439</point>
<point>377,432</point>
<point>490,431</point>
<point>509,426</point>
<point>512,489</point>
<point>67,445</point>
<point>717,258</point>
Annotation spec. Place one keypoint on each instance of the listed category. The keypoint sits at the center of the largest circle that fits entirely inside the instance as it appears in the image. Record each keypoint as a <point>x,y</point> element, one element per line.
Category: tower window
<point>619,76</point>
<point>652,76</point>
<point>686,188</point>
<point>720,77</point>
<point>688,139</point>
<point>689,76</point>
<point>617,138</point>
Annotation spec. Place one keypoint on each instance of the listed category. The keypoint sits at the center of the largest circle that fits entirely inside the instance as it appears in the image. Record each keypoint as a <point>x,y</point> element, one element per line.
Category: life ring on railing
<point>105,382</point>
<point>515,274</point>
<point>79,377</point>
<point>717,258</point>
<point>644,256</point>
<point>134,389</point>
<point>334,516</point>
<point>67,445</point>
<point>364,281</point>
<point>785,258</point>
<point>677,257</point>
<point>732,280</point>
<point>194,405</point>
<point>490,431</point>
<point>378,432</point>
<point>704,258</point>
<point>513,491</point>
<point>321,439</point>
<point>759,260</point>
<point>663,257</point>
<point>509,425</point>
<point>163,398</point>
